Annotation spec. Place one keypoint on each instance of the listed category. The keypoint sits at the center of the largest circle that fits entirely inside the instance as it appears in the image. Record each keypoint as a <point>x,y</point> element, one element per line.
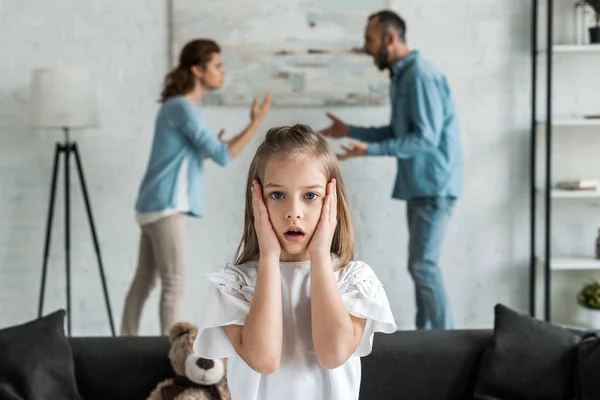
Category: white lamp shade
<point>63,97</point>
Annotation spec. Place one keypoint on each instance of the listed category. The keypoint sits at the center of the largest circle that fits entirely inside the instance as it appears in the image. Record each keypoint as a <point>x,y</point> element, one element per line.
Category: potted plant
<point>595,7</point>
<point>589,298</point>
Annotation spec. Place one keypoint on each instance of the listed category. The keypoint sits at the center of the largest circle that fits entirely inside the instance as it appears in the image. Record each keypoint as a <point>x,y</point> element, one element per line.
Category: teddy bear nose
<point>205,363</point>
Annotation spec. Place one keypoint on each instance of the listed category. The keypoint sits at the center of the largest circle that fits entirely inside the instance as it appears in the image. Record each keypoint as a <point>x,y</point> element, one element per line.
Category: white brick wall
<point>125,44</point>
<point>484,51</point>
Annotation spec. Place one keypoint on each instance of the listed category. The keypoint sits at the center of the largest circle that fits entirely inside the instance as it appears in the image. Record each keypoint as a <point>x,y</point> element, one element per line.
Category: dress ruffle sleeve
<point>227,303</point>
<point>364,297</point>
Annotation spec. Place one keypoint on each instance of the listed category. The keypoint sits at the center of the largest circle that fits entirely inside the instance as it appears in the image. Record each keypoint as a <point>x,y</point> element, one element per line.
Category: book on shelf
<point>578,184</point>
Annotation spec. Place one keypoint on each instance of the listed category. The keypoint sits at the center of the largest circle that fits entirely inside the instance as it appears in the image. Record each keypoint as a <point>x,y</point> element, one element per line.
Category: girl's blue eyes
<point>307,196</point>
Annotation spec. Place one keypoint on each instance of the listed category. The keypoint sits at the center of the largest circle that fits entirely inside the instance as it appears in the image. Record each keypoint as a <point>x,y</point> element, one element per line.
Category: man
<point>423,135</point>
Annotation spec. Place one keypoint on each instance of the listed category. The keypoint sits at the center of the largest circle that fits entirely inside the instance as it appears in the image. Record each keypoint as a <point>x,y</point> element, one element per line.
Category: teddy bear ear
<point>180,329</point>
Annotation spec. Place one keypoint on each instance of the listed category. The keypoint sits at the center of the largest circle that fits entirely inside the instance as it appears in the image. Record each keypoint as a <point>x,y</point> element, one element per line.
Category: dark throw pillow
<point>36,361</point>
<point>588,367</point>
<point>529,360</point>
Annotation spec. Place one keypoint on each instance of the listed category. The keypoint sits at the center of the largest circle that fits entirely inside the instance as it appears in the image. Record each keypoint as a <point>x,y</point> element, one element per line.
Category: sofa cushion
<point>36,361</point>
<point>528,360</point>
<point>588,365</point>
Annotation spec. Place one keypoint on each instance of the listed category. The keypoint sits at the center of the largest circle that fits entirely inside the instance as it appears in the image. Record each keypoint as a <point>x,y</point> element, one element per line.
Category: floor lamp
<point>64,98</point>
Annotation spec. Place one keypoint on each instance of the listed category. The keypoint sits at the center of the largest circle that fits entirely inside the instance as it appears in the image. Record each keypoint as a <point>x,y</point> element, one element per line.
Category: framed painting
<point>305,52</point>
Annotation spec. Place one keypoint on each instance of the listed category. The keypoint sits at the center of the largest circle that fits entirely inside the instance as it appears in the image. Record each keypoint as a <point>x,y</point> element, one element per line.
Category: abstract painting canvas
<point>305,52</point>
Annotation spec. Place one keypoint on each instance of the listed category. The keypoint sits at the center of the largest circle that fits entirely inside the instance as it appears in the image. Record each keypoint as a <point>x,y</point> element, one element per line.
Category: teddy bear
<point>196,378</point>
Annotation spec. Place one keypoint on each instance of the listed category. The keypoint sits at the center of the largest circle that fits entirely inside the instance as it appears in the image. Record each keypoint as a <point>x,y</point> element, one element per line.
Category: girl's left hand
<point>323,236</point>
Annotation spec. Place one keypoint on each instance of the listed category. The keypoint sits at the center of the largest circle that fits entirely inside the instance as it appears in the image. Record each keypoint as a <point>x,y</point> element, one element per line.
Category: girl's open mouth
<point>294,234</point>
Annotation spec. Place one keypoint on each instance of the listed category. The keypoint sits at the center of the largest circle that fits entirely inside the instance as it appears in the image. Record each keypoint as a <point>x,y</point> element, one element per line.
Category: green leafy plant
<point>594,5</point>
<point>589,295</point>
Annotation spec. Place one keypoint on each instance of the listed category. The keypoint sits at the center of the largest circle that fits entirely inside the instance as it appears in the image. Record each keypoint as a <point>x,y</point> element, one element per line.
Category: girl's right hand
<point>267,240</point>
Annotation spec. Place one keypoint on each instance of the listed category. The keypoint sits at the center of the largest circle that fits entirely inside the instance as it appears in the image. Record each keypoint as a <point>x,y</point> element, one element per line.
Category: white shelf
<point>573,48</point>
<point>573,123</point>
<point>575,194</point>
<point>572,194</point>
<point>576,48</point>
<point>571,326</point>
<point>574,263</point>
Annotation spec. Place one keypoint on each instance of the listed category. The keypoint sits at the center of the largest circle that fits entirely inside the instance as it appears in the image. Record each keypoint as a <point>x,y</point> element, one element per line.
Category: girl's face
<point>293,192</point>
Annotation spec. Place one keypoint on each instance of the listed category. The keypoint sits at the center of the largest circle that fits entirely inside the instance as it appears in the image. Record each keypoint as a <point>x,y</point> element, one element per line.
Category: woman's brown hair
<point>298,141</point>
<point>181,80</point>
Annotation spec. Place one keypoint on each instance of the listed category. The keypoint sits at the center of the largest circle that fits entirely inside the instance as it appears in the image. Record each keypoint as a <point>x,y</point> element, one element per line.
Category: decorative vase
<point>594,34</point>
<point>594,318</point>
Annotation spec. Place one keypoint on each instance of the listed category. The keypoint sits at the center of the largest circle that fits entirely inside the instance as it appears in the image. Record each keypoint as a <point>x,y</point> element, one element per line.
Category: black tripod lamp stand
<point>64,98</point>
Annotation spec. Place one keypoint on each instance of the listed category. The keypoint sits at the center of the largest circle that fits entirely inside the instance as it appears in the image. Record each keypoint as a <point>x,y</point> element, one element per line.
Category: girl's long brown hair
<point>180,80</point>
<point>297,141</point>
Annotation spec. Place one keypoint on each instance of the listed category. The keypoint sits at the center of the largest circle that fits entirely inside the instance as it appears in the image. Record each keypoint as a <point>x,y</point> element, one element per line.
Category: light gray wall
<point>482,47</point>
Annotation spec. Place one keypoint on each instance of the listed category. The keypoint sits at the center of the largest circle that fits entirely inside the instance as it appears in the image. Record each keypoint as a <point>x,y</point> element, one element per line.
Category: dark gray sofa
<point>413,365</point>
<point>521,358</point>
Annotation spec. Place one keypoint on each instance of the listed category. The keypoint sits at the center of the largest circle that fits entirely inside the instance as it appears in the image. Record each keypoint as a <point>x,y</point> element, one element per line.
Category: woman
<point>172,186</point>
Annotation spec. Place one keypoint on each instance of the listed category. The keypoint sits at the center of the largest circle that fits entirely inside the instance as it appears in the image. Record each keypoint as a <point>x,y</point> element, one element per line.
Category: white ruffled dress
<point>299,376</point>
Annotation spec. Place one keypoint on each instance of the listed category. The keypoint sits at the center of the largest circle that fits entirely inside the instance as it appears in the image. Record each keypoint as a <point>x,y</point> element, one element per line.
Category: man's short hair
<point>388,19</point>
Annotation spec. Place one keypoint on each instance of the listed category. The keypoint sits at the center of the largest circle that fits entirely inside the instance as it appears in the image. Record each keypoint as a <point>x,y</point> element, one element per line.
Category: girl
<point>172,185</point>
<point>295,313</point>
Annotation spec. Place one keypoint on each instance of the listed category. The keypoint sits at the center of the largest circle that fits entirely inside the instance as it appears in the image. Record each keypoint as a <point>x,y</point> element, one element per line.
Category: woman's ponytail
<point>178,82</point>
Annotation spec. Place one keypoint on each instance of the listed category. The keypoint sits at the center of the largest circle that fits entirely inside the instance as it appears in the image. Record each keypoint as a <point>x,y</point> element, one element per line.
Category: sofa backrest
<point>120,368</point>
<point>424,365</point>
<point>412,365</point>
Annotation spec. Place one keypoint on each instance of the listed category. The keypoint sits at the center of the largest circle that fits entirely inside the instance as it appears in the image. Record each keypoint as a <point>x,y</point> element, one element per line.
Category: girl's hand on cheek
<point>320,243</point>
<point>267,240</point>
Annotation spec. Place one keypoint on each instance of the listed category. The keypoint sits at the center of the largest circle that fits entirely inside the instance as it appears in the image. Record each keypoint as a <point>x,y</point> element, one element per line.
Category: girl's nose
<point>293,215</point>
<point>294,210</point>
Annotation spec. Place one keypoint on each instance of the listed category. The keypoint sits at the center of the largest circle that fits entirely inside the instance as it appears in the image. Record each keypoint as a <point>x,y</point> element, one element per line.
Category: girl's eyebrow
<point>275,185</point>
